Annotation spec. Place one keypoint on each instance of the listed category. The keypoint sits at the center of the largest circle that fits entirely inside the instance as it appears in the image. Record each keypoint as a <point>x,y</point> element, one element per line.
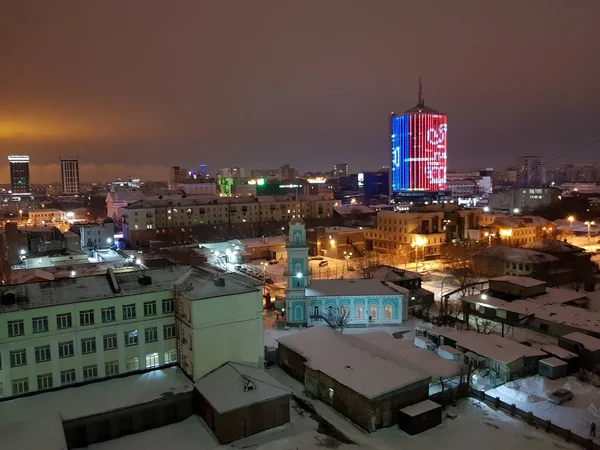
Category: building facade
<point>96,236</point>
<point>341,170</point>
<point>68,331</point>
<point>149,218</point>
<point>69,171</point>
<point>525,199</point>
<point>530,172</point>
<point>327,302</point>
<point>20,183</point>
<point>419,146</point>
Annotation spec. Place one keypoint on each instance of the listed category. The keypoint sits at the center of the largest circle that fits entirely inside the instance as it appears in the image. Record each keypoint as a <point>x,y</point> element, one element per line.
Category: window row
<point>88,345</point>
<point>87,317</point>
<point>373,311</point>
<point>111,368</point>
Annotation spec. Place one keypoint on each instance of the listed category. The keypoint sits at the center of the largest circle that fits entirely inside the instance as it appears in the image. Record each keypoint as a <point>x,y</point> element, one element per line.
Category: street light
<point>418,243</point>
<point>489,236</point>
<point>571,219</point>
<point>589,224</point>
<point>347,257</point>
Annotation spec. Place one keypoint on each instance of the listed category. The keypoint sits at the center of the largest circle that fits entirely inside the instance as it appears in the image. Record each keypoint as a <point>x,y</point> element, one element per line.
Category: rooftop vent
<point>220,282</point>
<point>248,384</point>
<point>145,280</point>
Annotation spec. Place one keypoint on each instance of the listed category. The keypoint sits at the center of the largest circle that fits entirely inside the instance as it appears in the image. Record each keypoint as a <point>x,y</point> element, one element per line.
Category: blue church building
<point>365,302</point>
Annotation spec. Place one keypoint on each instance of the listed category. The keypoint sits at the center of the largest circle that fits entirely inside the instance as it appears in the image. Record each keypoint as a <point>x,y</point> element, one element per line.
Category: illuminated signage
<point>317,180</point>
<point>289,186</point>
<point>259,181</point>
<point>361,179</point>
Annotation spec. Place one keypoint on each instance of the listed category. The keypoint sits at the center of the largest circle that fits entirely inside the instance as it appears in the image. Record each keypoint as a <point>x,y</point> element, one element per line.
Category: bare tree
<point>338,317</point>
<point>458,259</point>
<point>368,263</point>
<point>483,326</point>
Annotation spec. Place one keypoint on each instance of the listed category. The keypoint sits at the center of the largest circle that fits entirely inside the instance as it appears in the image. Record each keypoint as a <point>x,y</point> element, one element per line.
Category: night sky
<point>133,87</point>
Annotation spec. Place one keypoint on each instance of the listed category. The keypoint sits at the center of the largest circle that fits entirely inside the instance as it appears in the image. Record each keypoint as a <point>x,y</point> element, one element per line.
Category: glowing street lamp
<point>419,242</point>
<point>347,256</point>
<point>571,219</point>
<point>589,224</point>
<point>488,235</point>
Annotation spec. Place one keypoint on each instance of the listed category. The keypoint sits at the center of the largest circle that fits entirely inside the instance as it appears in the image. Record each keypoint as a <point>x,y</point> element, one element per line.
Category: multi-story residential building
<point>20,184</point>
<point>72,330</point>
<point>524,199</point>
<point>69,170</point>
<point>146,219</point>
<point>95,236</point>
<point>341,170</point>
<point>517,230</point>
<point>57,333</point>
<point>583,173</point>
<point>530,172</point>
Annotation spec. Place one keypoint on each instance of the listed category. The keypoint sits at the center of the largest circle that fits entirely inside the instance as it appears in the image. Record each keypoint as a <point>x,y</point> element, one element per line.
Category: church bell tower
<point>298,271</point>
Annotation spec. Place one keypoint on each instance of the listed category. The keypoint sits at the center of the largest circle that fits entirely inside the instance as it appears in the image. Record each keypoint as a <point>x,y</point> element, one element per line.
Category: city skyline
<point>316,97</point>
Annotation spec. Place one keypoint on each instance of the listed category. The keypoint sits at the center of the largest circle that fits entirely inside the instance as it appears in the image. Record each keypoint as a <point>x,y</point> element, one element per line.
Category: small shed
<point>553,368</point>
<point>447,352</point>
<point>237,400</point>
<point>422,416</point>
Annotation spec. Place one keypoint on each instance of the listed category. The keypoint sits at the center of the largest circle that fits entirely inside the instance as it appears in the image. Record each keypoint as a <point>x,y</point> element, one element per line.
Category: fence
<point>527,416</point>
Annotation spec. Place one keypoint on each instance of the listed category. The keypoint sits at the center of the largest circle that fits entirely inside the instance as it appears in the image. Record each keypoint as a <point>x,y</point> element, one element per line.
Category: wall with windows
<point>42,348</point>
<point>360,310</point>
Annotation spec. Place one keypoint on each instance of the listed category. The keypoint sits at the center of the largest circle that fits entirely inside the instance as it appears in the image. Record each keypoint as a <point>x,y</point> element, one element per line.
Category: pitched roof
<point>233,386</point>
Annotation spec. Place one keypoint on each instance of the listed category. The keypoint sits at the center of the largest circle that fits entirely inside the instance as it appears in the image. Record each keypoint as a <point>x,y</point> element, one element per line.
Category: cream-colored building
<point>46,216</point>
<point>218,319</point>
<point>146,219</point>
<point>75,330</point>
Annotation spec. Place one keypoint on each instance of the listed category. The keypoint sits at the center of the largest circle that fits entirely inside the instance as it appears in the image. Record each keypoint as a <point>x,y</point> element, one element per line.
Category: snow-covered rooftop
<point>519,281</point>
<point>201,283</point>
<point>554,362</point>
<point>558,351</point>
<point>270,241</point>
<point>328,288</point>
<point>590,343</point>
<point>420,408</point>
<point>552,245</point>
<point>96,287</point>
<point>233,386</point>
<point>405,352</point>
<point>491,346</point>
<point>353,362</point>
<point>38,432</point>
<point>96,398</point>
<point>518,255</point>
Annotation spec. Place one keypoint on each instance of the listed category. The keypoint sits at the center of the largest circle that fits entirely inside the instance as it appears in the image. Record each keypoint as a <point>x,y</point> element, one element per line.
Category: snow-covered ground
<point>531,394</point>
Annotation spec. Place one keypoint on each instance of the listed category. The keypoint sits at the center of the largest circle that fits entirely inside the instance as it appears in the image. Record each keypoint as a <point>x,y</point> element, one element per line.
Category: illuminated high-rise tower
<point>419,148</point>
<point>19,175</point>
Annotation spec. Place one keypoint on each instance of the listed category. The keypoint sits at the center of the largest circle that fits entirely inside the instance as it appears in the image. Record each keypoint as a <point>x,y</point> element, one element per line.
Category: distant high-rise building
<point>178,175</point>
<point>69,170</point>
<point>419,145</point>
<point>530,172</point>
<point>202,171</point>
<point>232,172</point>
<point>288,173</point>
<point>341,170</point>
<point>20,183</point>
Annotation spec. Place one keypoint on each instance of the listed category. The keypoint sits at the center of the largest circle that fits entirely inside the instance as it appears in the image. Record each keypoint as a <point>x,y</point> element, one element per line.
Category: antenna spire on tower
<point>421,101</point>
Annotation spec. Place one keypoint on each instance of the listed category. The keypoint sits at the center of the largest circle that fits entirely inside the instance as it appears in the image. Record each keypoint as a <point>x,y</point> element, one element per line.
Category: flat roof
<point>42,431</point>
<point>420,408</point>
<point>490,345</point>
<point>330,288</point>
<point>554,362</point>
<point>226,388</point>
<point>95,287</point>
<point>558,351</point>
<point>90,399</point>
<point>589,342</point>
<point>353,362</point>
<point>519,281</point>
<point>200,283</point>
<point>269,241</point>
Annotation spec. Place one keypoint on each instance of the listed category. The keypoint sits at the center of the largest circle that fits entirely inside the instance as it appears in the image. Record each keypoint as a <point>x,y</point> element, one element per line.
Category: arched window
<point>330,311</point>
<point>345,312</point>
<point>373,312</point>
<point>316,311</point>
<point>388,312</point>
<point>359,312</point>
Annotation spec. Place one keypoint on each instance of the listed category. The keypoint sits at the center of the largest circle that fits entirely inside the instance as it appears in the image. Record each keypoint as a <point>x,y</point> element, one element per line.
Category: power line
<point>592,142</point>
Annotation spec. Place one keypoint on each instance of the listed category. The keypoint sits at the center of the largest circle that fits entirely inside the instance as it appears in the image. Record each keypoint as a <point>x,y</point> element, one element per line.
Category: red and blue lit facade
<point>419,143</point>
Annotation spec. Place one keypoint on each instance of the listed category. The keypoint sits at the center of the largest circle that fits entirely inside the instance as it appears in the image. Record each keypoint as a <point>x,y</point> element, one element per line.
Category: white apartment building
<point>73,330</point>
<point>144,220</point>
<point>46,216</point>
<point>69,170</point>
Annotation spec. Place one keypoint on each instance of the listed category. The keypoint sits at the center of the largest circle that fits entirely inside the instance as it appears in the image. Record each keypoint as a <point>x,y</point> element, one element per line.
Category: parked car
<point>560,396</point>
<point>317,258</point>
<point>273,261</point>
<point>323,263</point>
<point>238,267</point>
